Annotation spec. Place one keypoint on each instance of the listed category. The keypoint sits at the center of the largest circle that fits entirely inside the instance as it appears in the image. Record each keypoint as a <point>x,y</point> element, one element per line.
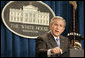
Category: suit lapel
<point>62,42</point>
<point>52,40</point>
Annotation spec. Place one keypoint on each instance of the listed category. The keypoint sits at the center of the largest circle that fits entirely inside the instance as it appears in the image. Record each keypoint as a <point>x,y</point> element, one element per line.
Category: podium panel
<point>76,53</point>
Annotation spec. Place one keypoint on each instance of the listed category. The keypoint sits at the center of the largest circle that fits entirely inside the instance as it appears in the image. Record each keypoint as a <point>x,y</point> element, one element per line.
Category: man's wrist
<point>49,53</point>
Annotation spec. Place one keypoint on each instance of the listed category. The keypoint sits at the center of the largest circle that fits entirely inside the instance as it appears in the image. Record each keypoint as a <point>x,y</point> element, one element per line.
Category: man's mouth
<point>56,30</point>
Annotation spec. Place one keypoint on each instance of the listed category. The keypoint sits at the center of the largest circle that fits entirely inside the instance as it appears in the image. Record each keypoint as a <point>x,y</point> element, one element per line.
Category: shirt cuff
<point>49,53</point>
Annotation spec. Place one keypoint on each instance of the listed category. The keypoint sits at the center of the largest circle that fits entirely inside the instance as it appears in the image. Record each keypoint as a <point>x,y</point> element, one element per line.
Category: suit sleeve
<point>41,50</point>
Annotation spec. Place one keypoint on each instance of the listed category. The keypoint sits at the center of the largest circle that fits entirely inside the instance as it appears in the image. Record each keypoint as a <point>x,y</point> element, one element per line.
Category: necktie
<point>58,42</point>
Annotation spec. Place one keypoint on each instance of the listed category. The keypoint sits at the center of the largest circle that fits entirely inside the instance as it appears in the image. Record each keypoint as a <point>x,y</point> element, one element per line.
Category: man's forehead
<point>58,19</point>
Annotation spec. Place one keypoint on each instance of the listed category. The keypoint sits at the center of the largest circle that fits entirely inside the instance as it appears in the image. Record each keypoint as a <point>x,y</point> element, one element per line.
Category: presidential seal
<point>27,19</point>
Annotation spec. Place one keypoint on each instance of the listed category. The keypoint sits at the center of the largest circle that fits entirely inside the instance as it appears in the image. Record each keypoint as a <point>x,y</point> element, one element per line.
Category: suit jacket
<point>47,41</point>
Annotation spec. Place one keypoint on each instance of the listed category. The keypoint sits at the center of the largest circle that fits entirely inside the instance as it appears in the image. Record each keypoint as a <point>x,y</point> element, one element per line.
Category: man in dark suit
<point>53,44</point>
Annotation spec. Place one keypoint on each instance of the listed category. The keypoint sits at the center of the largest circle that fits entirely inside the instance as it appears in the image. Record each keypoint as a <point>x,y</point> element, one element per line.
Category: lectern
<point>76,53</point>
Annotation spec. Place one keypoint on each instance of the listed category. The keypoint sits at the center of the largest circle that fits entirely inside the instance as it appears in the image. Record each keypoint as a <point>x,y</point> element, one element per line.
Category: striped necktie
<point>58,42</point>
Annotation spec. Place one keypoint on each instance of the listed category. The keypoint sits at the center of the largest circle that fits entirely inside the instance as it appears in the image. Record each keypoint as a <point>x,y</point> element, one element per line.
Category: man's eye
<point>55,24</point>
<point>60,25</point>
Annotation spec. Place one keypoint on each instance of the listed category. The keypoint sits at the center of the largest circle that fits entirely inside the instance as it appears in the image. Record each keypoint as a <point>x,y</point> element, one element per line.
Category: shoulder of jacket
<point>63,37</point>
<point>44,36</point>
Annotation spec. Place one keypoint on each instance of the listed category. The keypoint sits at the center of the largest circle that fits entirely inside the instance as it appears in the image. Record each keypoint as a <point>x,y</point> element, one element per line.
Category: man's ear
<point>50,26</point>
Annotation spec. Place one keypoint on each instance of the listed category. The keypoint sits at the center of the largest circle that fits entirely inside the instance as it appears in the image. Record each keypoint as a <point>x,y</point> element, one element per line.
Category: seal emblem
<point>27,19</point>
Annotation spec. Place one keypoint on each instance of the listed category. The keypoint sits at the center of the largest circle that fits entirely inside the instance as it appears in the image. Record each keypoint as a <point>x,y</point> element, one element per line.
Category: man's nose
<point>57,27</point>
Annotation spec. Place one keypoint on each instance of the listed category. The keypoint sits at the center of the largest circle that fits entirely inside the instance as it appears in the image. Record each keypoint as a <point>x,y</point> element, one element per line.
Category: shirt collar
<point>55,36</point>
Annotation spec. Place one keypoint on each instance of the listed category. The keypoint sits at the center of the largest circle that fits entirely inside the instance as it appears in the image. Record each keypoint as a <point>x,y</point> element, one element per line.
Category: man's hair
<point>58,17</point>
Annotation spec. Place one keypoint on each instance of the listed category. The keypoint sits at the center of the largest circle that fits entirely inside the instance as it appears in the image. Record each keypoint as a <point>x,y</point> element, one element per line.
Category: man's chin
<point>56,35</point>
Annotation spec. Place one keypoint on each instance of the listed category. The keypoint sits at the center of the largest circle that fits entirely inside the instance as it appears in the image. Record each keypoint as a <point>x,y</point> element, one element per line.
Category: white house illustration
<point>29,15</point>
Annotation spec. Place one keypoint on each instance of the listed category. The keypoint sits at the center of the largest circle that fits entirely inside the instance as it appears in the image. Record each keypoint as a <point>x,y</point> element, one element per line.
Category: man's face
<point>57,27</point>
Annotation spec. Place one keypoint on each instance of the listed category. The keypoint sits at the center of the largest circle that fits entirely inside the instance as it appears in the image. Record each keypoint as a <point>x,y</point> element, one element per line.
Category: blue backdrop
<point>16,46</point>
